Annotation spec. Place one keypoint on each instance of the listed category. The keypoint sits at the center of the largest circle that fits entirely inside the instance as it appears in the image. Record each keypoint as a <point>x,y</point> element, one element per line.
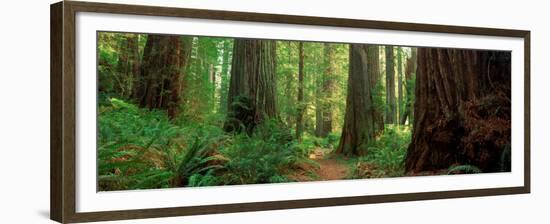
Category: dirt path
<point>332,169</point>
<point>329,168</point>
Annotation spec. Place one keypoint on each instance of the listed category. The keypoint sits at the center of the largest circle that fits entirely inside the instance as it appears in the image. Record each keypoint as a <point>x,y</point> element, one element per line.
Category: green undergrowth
<point>385,156</point>
<point>143,149</point>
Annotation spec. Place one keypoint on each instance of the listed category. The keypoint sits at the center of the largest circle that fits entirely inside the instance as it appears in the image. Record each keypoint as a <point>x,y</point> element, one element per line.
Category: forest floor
<point>329,167</point>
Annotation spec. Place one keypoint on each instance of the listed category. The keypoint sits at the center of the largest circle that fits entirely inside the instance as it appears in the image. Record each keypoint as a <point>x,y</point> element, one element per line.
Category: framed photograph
<point>159,111</point>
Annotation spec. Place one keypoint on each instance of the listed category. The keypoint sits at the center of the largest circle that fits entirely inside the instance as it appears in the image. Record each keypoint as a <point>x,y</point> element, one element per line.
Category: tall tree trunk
<point>288,94</point>
<point>186,51</point>
<point>410,70</point>
<point>212,78</point>
<point>462,110</point>
<point>390,87</point>
<point>399,83</point>
<point>414,56</point>
<point>123,80</point>
<point>301,104</point>
<point>326,94</point>
<point>373,69</point>
<point>224,82</point>
<point>160,76</point>
<point>358,130</point>
<point>252,93</point>
<point>212,74</point>
<point>134,57</point>
<point>318,106</point>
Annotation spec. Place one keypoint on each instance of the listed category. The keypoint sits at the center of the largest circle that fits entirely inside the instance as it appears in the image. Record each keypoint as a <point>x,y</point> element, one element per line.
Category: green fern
<point>463,169</point>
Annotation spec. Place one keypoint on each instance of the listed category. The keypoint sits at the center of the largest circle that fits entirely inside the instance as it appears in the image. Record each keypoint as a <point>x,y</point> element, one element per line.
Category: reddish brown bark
<point>161,74</point>
<point>462,110</point>
<point>358,130</point>
<point>252,94</point>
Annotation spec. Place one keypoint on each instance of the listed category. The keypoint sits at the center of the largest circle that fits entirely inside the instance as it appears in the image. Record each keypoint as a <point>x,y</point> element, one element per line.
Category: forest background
<point>201,111</point>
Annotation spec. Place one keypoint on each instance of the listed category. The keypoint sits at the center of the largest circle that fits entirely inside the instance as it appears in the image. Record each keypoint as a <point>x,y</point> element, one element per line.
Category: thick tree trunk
<point>359,128</point>
<point>390,87</point>
<point>161,76</point>
<point>373,69</point>
<point>252,94</point>
<point>301,106</point>
<point>462,110</point>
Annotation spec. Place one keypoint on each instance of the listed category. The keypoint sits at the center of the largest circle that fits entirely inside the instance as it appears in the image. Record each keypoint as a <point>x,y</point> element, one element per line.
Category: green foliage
<point>463,169</point>
<point>203,96</point>
<point>385,157</point>
<point>126,135</point>
<point>310,142</point>
<point>197,159</point>
<point>115,61</point>
<point>411,86</point>
<point>314,77</point>
<point>379,95</point>
<point>505,161</point>
<point>141,149</point>
<point>200,180</point>
<point>263,157</point>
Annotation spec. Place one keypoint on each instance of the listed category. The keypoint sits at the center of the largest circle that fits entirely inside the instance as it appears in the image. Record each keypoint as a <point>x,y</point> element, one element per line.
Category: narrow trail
<point>329,168</point>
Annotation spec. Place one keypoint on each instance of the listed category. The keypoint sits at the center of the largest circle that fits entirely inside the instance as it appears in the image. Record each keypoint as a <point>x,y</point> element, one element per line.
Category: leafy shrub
<point>200,180</point>
<point>263,157</point>
<point>385,157</point>
<point>253,160</point>
<point>199,159</point>
<point>312,141</point>
<point>141,149</point>
<point>332,140</point>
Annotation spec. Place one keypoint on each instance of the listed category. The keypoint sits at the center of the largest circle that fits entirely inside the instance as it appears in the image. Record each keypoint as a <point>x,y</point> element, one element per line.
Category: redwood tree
<point>373,65</point>
<point>399,83</point>
<point>252,95</point>
<point>224,75</point>
<point>358,130</point>
<point>159,81</point>
<point>390,87</point>
<point>301,105</point>
<point>462,110</point>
